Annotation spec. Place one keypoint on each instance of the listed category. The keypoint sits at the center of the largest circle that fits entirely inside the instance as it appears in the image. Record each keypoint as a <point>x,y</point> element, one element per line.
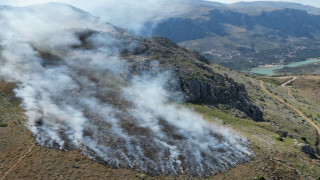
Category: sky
<point>315,3</point>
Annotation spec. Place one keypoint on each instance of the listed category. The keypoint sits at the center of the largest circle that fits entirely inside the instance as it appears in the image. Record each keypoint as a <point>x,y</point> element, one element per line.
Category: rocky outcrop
<point>308,149</point>
<point>218,89</point>
<point>195,75</point>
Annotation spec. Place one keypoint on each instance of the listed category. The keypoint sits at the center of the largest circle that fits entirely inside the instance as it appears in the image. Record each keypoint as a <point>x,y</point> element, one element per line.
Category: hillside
<point>87,100</point>
<point>236,37</point>
<point>273,158</point>
<point>118,98</point>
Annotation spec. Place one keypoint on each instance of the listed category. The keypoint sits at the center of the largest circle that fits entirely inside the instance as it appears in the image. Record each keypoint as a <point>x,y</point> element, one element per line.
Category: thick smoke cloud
<point>130,15</point>
<point>85,98</point>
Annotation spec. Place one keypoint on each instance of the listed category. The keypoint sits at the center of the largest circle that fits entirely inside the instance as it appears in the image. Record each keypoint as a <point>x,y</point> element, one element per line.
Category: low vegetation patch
<point>280,138</point>
<point>261,178</point>
<point>3,124</point>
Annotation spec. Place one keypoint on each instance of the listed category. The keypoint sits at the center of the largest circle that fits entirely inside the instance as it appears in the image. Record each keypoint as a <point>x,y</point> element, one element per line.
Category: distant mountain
<point>272,4</point>
<point>242,36</point>
<point>211,3</point>
<point>287,22</point>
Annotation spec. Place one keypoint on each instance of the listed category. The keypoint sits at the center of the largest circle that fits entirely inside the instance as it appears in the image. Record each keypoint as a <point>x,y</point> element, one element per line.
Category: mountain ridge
<point>274,4</point>
<point>242,41</point>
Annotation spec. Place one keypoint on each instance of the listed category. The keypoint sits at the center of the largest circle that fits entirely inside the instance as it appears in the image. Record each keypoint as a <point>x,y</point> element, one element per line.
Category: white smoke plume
<point>130,15</point>
<point>80,97</point>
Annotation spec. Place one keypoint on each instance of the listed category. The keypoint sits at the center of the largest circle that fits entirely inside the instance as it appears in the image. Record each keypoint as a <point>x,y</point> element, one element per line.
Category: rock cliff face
<point>195,77</point>
<point>219,89</point>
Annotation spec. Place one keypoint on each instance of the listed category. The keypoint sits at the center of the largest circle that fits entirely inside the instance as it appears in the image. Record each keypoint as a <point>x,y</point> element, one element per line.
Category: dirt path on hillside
<point>293,79</point>
<point>289,90</point>
<point>290,94</point>
<point>20,159</point>
<point>292,107</point>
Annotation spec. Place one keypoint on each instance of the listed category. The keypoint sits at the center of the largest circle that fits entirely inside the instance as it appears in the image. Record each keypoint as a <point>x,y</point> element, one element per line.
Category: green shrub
<point>279,138</point>
<point>222,88</point>
<point>193,76</point>
<point>261,178</point>
<point>303,138</point>
<point>3,124</point>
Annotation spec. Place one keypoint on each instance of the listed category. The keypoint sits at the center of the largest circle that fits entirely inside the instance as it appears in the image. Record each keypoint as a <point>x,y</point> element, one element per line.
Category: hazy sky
<point>315,3</point>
